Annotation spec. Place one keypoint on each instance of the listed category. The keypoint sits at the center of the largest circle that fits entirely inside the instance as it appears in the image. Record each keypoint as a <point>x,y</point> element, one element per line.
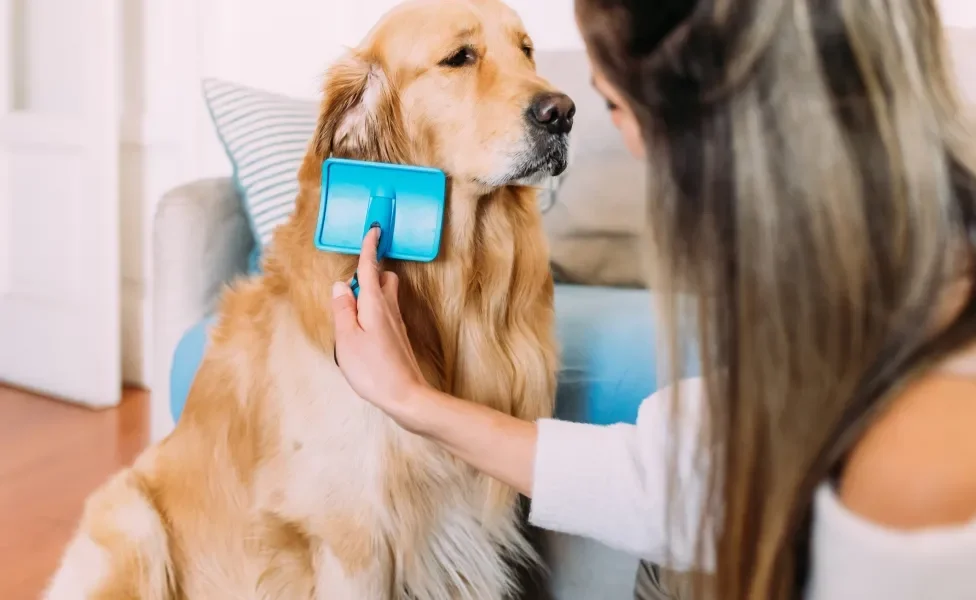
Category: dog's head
<point>450,84</point>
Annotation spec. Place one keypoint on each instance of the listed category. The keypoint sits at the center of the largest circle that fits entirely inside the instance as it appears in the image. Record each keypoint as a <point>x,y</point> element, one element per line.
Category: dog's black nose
<point>553,111</point>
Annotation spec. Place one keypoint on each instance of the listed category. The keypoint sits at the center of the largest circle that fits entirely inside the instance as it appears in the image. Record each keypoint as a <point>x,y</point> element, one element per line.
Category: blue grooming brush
<point>405,202</point>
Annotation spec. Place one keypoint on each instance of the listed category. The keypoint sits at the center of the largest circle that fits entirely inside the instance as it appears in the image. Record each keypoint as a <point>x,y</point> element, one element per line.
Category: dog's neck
<point>493,260</point>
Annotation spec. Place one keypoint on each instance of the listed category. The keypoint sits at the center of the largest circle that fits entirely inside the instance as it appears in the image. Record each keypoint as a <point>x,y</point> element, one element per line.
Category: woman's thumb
<point>344,309</point>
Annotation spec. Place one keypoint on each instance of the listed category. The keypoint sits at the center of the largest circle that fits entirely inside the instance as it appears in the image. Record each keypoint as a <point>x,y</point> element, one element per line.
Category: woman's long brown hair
<point>812,182</point>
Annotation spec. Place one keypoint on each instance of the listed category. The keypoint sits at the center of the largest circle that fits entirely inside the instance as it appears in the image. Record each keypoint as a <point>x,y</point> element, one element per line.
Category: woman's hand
<point>374,354</point>
<point>372,349</point>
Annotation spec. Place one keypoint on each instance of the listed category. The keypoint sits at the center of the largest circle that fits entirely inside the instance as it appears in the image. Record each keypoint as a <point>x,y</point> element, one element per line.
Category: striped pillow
<point>265,136</point>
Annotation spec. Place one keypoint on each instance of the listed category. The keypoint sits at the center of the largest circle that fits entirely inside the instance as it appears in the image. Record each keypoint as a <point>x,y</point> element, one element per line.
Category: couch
<point>203,238</point>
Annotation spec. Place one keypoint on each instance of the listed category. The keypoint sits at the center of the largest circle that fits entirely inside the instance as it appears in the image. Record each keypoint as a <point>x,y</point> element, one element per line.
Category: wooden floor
<point>52,455</point>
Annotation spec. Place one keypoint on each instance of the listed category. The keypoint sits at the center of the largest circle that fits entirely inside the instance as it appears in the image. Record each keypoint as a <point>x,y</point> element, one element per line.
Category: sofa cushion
<point>265,136</point>
<point>607,364</point>
<point>595,226</point>
<point>186,360</point>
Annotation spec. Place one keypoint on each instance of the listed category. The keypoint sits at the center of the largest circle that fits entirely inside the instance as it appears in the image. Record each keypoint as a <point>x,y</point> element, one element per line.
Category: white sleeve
<point>610,483</point>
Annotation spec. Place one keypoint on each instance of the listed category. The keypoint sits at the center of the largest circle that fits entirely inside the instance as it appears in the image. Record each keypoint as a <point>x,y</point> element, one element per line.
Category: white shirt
<point>610,484</point>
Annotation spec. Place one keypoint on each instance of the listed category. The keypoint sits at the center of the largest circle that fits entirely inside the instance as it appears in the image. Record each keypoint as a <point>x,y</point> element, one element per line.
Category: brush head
<point>405,202</point>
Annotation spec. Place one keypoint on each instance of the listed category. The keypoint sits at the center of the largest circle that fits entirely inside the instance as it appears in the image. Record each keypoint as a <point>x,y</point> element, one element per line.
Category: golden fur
<point>278,481</point>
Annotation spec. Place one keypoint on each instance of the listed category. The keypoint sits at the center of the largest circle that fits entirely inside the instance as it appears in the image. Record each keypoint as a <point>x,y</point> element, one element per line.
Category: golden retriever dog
<point>278,481</point>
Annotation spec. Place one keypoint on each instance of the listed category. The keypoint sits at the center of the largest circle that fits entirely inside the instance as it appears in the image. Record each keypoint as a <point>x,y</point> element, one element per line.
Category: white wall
<point>958,13</point>
<point>158,128</point>
<point>960,17</point>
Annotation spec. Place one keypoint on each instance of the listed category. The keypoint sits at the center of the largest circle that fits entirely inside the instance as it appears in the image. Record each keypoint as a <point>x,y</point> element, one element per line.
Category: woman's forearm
<point>499,445</point>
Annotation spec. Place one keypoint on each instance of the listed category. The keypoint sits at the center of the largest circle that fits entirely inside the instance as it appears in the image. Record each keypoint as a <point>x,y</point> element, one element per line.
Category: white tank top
<point>854,559</point>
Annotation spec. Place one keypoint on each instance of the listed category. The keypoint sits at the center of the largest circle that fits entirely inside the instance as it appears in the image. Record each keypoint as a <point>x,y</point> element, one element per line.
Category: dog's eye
<point>464,56</point>
<point>527,51</point>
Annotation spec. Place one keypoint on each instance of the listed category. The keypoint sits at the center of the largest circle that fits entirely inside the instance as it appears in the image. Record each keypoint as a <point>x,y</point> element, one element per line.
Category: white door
<point>59,208</point>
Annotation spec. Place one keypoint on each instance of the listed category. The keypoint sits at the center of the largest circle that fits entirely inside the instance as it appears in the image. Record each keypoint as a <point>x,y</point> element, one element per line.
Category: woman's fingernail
<point>339,289</point>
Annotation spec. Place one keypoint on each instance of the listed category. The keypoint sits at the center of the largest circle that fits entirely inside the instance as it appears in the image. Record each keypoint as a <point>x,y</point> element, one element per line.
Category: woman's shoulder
<point>916,467</point>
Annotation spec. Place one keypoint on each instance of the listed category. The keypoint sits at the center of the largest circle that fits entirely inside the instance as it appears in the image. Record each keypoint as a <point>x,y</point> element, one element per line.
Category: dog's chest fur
<point>374,497</point>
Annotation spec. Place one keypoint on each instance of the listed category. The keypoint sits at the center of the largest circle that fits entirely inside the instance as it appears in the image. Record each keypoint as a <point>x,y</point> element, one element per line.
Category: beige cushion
<point>599,205</point>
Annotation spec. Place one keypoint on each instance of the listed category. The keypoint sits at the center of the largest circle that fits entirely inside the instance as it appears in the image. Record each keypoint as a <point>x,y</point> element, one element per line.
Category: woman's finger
<point>369,270</point>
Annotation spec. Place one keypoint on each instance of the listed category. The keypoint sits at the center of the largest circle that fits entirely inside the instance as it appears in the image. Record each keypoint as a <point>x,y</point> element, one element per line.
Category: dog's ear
<point>360,116</point>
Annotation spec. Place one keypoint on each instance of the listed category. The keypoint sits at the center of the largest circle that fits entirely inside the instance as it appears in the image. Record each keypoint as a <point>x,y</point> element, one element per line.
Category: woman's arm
<point>497,444</point>
<point>605,483</point>
<point>612,483</point>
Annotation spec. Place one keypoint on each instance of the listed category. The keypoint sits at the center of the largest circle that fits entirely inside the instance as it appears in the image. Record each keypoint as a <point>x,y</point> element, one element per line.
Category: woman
<point>813,181</point>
